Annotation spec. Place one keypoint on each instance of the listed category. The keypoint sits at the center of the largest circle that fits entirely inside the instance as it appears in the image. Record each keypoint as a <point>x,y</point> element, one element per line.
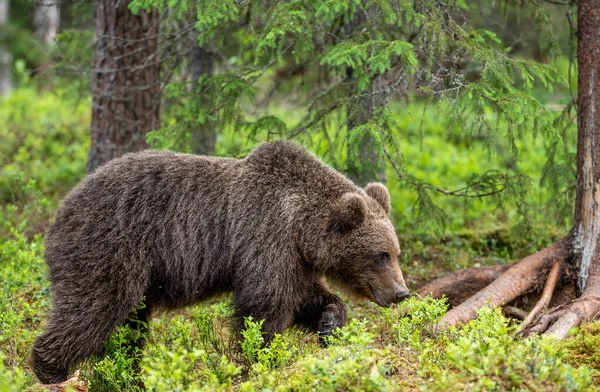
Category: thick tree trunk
<point>125,81</point>
<point>5,56</point>
<point>579,252</point>
<point>46,19</point>
<point>203,136</point>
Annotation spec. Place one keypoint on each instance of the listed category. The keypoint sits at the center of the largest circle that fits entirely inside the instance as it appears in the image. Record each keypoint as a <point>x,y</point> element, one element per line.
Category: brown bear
<point>175,229</point>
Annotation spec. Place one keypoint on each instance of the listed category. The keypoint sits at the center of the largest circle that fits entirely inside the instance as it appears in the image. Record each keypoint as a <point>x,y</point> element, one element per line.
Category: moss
<point>584,347</point>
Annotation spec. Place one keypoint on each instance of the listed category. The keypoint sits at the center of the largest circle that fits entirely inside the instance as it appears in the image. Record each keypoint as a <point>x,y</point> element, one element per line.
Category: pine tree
<point>354,58</point>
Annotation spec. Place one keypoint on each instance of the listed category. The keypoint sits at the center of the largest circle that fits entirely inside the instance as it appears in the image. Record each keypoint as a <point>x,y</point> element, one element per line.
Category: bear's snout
<point>402,294</point>
<point>398,294</point>
<point>394,295</point>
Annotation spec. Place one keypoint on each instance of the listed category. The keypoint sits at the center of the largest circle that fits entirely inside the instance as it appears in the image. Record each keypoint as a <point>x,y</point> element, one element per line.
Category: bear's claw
<point>332,317</point>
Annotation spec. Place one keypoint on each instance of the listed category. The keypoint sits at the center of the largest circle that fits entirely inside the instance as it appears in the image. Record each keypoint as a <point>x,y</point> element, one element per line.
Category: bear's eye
<point>382,258</point>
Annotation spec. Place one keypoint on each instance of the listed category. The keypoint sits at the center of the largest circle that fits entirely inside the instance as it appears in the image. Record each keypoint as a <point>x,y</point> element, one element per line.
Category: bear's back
<point>290,166</point>
<point>148,207</point>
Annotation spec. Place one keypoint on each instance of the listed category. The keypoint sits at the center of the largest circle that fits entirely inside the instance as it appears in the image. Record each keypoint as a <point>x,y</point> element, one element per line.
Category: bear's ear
<point>380,193</point>
<point>348,213</point>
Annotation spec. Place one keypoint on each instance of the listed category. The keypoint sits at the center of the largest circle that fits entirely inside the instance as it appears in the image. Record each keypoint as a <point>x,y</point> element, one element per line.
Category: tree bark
<point>125,81</point>
<point>460,285</point>
<point>203,136</point>
<point>586,227</point>
<point>5,56</point>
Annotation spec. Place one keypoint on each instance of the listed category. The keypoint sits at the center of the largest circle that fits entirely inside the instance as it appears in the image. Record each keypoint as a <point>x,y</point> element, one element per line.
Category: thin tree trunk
<point>5,56</point>
<point>203,136</point>
<point>125,81</point>
<point>46,19</point>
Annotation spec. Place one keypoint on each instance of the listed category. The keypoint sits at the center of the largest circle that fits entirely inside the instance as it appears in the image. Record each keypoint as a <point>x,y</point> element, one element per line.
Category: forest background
<point>466,110</point>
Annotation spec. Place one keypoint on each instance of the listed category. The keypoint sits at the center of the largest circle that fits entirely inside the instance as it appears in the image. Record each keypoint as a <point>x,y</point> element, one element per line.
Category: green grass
<point>43,155</point>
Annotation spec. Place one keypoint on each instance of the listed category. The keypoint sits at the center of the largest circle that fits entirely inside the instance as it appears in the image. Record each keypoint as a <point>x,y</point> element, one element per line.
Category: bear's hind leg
<point>79,325</point>
<point>67,341</point>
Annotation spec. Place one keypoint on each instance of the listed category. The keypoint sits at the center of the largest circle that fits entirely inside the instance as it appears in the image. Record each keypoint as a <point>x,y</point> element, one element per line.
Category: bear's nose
<point>402,294</point>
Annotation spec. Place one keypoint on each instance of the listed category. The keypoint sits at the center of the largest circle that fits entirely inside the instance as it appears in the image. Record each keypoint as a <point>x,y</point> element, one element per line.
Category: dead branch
<point>514,312</point>
<point>73,383</point>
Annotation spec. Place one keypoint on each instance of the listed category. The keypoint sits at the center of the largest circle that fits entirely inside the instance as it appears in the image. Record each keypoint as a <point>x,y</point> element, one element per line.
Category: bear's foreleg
<point>322,312</point>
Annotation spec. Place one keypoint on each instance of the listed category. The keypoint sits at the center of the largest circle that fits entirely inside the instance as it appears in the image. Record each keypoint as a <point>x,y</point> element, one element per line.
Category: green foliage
<point>278,353</point>
<point>302,69</point>
<point>425,315</point>
<point>582,348</point>
<point>370,58</point>
<point>23,295</point>
<point>484,355</point>
<point>168,370</point>
<point>195,356</point>
<point>114,371</point>
<point>252,339</point>
<point>42,154</point>
<point>72,53</point>
<point>11,381</point>
<point>320,60</point>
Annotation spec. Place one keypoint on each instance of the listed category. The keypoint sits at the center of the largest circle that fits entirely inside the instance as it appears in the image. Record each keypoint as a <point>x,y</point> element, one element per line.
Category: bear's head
<point>362,248</point>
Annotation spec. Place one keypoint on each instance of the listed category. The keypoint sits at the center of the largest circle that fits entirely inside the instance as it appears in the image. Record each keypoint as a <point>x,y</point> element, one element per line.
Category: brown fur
<point>177,229</point>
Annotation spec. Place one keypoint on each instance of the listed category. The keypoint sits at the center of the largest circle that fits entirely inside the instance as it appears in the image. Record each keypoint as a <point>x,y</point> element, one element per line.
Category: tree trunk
<point>587,205</point>
<point>125,81</point>
<point>5,56</point>
<point>203,136</point>
<point>578,254</point>
<point>46,19</point>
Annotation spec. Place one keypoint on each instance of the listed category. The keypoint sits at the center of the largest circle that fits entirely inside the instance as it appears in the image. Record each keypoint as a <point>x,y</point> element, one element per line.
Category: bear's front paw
<point>334,316</point>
